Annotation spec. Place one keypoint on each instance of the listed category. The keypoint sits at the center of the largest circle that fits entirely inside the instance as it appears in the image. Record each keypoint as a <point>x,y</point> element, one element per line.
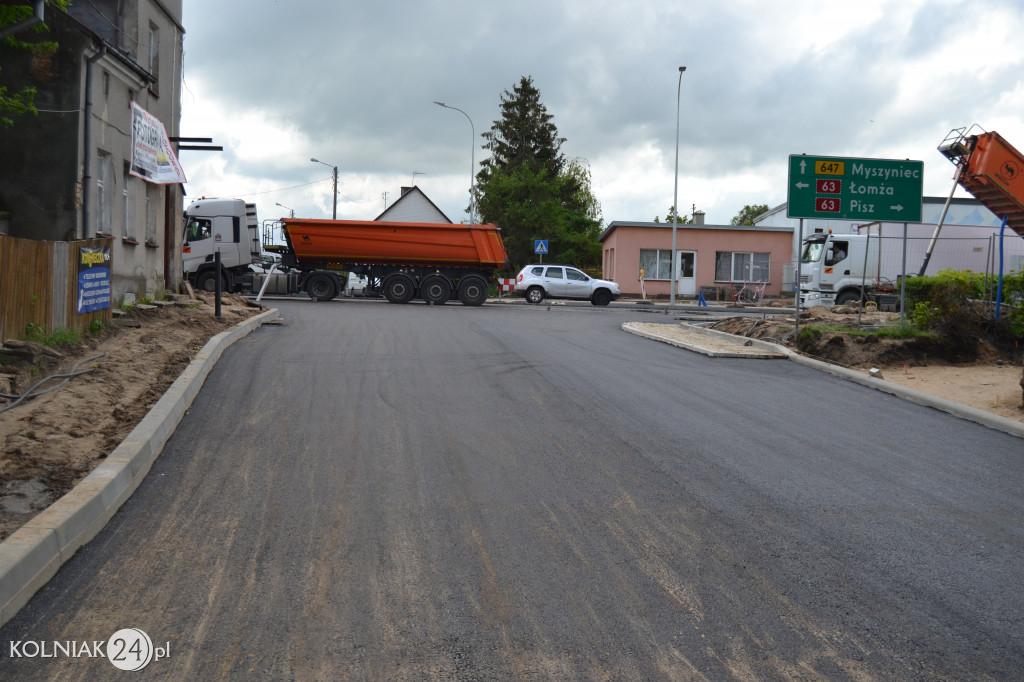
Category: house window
<point>152,202</point>
<point>104,191</point>
<point>154,56</point>
<point>128,212</point>
<point>741,266</point>
<point>656,263</point>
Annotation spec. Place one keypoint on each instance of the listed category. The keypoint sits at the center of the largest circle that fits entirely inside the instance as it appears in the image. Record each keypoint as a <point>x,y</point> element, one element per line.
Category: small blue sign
<point>540,246</point>
<point>93,279</point>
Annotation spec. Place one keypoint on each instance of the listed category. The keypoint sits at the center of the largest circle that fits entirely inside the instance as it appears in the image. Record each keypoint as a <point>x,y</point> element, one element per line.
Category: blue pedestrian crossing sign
<point>540,246</point>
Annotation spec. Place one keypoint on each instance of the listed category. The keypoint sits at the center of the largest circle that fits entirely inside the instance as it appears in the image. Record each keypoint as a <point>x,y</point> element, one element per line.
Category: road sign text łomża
<point>832,188</point>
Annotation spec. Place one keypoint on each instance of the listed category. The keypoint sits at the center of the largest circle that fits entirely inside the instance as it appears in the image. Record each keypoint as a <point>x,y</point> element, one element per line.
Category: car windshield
<point>812,252</point>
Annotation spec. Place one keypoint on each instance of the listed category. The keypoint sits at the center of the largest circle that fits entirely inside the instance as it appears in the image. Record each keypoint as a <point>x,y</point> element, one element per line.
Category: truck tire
<point>848,297</point>
<point>321,287</point>
<point>207,281</point>
<point>399,289</point>
<point>601,297</point>
<point>472,290</point>
<point>534,295</point>
<point>435,289</point>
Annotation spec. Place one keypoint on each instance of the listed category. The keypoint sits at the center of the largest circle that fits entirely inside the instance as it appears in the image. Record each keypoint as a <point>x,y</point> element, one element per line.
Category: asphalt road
<point>405,492</point>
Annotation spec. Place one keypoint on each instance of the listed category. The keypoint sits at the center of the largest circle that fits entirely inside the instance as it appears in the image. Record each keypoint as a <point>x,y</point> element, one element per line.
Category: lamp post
<point>472,160</point>
<point>335,215</point>
<point>675,196</point>
<point>286,208</point>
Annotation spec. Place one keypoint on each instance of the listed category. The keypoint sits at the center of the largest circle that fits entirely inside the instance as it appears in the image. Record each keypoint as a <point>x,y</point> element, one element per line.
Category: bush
<point>952,303</point>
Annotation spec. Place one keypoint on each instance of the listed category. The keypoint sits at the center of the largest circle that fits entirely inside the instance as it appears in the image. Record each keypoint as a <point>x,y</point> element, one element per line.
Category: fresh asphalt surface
<point>410,492</point>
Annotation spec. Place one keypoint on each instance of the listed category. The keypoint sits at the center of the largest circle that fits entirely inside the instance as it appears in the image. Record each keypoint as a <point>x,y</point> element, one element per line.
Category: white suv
<point>561,281</point>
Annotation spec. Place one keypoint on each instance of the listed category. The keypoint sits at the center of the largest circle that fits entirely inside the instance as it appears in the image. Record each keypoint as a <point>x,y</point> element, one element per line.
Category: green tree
<point>22,102</point>
<point>747,215</point>
<point>683,219</point>
<point>529,189</point>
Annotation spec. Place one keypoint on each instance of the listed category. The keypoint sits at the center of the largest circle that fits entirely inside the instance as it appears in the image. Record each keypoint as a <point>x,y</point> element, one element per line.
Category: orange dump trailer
<point>432,261</point>
<point>994,174</point>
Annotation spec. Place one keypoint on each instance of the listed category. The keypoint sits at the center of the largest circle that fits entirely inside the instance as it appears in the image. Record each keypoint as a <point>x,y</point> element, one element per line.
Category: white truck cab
<point>833,268</point>
<point>228,226</point>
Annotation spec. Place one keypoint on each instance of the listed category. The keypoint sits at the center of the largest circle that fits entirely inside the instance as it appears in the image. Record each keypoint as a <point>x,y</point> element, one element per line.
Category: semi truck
<point>435,262</point>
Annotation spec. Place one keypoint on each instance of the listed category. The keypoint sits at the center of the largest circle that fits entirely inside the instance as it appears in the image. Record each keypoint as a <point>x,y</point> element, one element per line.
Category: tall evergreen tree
<point>531,191</point>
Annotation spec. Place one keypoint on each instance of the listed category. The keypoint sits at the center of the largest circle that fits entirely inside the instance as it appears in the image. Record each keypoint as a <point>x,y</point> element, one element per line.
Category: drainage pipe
<point>36,18</point>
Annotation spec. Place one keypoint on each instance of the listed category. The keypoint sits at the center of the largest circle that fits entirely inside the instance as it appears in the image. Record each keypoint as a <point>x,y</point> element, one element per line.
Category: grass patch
<point>895,332</point>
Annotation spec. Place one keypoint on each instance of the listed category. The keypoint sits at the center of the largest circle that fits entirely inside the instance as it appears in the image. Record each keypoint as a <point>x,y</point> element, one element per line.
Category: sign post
<point>870,190</point>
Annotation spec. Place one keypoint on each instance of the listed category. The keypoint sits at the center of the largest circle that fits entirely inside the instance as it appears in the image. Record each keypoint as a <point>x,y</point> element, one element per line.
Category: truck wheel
<point>848,297</point>
<point>207,281</point>
<point>534,295</point>
<point>435,289</point>
<point>472,291</point>
<point>601,297</point>
<point>321,288</point>
<point>399,289</point>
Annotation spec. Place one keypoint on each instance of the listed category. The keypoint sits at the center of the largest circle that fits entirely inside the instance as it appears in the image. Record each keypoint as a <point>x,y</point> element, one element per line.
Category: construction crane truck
<point>435,262</point>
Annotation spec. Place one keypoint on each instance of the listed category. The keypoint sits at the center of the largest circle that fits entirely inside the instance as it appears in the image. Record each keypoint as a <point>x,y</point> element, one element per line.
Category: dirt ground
<point>991,381</point>
<point>49,443</point>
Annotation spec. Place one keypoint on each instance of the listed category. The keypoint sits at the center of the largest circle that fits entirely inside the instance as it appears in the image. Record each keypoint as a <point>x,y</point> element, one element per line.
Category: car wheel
<point>321,288</point>
<point>601,297</point>
<point>472,291</point>
<point>208,282</point>
<point>534,295</point>
<point>398,289</point>
<point>435,289</point>
<point>849,298</point>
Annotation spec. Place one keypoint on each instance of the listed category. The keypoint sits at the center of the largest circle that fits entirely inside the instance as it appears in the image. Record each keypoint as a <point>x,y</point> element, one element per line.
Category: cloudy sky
<point>353,84</point>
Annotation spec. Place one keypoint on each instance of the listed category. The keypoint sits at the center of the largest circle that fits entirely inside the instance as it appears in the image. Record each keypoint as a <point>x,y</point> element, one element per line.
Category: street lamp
<point>472,160</point>
<point>675,197</point>
<point>286,208</point>
<point>335,185</point>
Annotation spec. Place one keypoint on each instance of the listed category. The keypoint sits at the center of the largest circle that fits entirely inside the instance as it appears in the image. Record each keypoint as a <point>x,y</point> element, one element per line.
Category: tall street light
<point>472,160</point>
<point>675,196</point>
<point>286,208</point>
<point>335,185</point>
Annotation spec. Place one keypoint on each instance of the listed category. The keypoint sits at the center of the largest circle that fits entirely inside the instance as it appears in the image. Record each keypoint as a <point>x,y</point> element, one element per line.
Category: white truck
<point>834,268</point>
<point>228,226</point>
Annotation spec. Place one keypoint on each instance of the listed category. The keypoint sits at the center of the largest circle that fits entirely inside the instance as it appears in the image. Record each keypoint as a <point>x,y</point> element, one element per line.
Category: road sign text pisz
<point>835,188</point>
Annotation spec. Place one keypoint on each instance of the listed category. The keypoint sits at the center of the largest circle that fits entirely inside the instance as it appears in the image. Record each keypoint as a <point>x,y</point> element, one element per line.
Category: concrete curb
<point>728,340</point>
<point>992,421</point>
<point>33,554</point>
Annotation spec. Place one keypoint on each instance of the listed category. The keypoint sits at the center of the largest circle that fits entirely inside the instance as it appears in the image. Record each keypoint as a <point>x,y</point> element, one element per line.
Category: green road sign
<point>867,190</point>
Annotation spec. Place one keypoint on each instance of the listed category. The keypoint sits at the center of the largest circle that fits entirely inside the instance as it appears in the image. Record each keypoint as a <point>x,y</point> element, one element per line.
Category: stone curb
<point>992,421</point>
<point>33,554</point>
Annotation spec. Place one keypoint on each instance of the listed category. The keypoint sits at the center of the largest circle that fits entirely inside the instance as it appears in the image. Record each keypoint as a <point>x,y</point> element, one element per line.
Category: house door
<point>686,273</point>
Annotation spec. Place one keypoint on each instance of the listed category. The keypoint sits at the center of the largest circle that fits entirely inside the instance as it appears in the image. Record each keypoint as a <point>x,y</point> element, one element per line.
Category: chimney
<point>698,217</point>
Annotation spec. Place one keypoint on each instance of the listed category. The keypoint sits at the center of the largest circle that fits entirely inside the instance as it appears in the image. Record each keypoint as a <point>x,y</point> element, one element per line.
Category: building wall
<point>623,242</point>
<point>64,174</point>
<point>413,207</point>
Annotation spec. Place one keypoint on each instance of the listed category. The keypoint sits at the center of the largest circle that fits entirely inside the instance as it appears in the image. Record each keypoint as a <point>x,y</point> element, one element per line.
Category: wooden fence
<point>39,286</point>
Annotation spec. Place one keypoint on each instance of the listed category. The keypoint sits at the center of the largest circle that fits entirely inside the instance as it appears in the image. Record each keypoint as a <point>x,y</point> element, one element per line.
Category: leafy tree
<point>747,215</point>
<point>683,219</point>
<point>531,191</point>
<point>22,102</point>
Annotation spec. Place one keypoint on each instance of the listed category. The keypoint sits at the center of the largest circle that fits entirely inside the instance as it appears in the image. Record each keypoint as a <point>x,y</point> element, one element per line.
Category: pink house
<point>707,256</point>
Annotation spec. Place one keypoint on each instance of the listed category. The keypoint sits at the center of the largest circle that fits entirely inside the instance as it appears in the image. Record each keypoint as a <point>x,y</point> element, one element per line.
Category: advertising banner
<point>153,156</point>
<point>93,278</point>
